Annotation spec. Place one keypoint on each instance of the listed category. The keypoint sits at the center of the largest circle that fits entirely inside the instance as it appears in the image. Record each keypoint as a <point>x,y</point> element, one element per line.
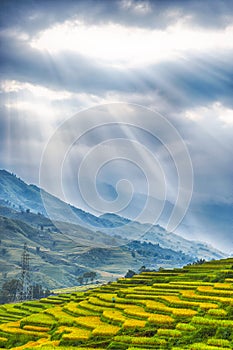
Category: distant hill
<point>23,202</point>
<point>57,259</point>
<point>157,234</point>
<point>17,194</point>
<point>203,219</point>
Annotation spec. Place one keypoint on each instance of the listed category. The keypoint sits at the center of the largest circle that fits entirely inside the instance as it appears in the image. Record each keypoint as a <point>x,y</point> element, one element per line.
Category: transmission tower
<point>24,291</point>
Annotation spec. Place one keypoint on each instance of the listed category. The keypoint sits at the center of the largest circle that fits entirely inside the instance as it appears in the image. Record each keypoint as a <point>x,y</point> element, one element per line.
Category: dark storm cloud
<point>32,16</point>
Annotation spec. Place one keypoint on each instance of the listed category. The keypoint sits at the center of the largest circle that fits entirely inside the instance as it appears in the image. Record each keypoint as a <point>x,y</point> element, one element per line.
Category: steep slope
<point>57,259</point>
<point>16,194</point>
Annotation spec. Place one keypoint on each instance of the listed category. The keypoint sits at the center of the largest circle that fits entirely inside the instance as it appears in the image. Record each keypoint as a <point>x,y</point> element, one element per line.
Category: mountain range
<point>76,241</point>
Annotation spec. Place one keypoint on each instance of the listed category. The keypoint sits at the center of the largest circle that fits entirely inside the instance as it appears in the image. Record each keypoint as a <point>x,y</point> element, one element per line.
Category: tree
<point>39,292</point>
<point>89,275</point>
<point>80,280</point>
<point>92,275</point>
<point>8,291</point>
<point>142,268</point>
<point>130,274</point>
<point>86,276</point>
<point>10,288</point>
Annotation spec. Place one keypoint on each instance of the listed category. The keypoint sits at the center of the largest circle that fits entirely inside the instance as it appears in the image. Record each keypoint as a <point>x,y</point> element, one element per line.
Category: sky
<point>59,58</point>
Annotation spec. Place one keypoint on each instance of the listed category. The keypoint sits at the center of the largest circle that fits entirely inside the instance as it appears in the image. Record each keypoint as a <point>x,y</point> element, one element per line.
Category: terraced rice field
<point>189,308</point>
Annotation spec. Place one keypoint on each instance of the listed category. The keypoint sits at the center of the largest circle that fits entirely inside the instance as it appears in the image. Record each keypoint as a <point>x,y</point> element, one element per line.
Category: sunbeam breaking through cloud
<point>60,58</point>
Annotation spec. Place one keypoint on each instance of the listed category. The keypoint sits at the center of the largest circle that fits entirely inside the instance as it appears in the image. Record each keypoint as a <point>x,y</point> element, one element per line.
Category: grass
<point>158,310</point>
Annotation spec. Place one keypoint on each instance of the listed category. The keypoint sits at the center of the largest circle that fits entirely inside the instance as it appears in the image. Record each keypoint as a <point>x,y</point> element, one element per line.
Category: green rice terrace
<point>183,308</point>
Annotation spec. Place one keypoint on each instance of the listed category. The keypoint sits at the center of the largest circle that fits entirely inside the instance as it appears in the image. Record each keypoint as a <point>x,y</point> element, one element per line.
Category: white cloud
<point>225,114</point>
<point>36,90</point>
<point>33,107</point>
<point>216,111</point>
<point>48,106</point>
<point>123,46</point>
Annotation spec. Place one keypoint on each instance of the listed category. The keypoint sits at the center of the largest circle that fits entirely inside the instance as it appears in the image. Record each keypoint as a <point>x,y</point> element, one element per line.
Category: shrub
<point>230,312</point>
<point>224,332</point>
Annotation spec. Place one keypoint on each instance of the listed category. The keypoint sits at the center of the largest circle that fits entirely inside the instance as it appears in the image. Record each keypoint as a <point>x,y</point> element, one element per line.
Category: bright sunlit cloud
<point>44,103</point>
<point>36,90</point>
<point>123,46</point>
<point>35,108</point>
<point>215,111</point>
<point>58,58</point>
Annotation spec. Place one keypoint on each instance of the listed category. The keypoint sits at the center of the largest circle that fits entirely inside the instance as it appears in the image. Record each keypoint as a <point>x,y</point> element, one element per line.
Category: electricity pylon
<point>24,291</point>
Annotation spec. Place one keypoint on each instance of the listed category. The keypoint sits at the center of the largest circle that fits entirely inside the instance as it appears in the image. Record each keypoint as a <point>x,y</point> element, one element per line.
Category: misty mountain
<point>17,195</point>
<point>203,219</point>
<point>58,259</point>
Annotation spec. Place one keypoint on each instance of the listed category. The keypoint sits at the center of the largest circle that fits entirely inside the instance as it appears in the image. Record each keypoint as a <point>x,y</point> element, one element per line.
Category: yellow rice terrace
<point>188,308</point>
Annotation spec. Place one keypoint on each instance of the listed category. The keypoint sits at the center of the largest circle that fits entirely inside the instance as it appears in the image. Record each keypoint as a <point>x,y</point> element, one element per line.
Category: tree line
<point>8,292</point>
